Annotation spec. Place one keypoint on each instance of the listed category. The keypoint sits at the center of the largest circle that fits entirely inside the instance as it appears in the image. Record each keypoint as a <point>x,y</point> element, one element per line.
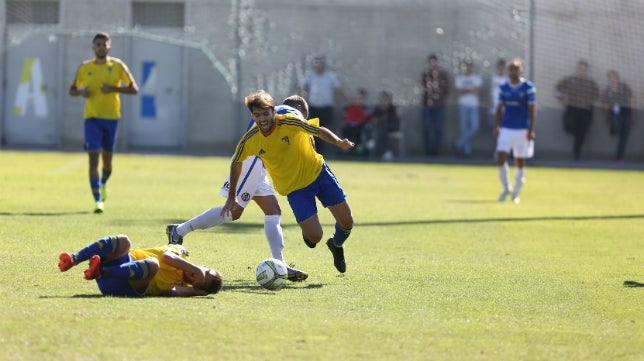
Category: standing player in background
<point>283,143</point>
<point>100,81</point>
<point>515,119</point>
<point>256,186</point>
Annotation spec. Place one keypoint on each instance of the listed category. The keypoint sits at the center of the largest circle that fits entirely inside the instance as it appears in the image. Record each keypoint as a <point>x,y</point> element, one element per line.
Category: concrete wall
<point>373,44</point>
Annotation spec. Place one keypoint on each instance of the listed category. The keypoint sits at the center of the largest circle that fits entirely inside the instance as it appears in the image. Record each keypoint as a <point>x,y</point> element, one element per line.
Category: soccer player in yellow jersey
<point>100,81</point>
<point>161,271</point>
<point>283,143</point>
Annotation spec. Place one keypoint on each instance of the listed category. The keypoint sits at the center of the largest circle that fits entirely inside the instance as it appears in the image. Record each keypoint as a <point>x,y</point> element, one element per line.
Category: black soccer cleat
<point>307,242</point>
<point>173,237</point>
<point>295,275</point>
<point>338,256</point>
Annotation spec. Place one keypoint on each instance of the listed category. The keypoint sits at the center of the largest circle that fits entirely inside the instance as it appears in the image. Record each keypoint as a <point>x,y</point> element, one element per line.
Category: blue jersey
<point>515,100</point>
<point>280,109</point>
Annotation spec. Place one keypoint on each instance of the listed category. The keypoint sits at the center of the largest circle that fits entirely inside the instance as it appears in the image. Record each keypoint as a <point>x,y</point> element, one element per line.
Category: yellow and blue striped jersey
<point>287,153</point>
<point>93,76</point>
<point>167,276</point>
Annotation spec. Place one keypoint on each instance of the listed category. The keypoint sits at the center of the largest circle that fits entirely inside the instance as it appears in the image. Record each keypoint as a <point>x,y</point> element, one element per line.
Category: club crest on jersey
<point>261,152</point>
<point>245,197</point>
<point>286,140</point>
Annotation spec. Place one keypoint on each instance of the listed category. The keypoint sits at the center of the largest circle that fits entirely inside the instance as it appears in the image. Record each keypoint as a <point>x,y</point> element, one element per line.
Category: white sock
<point>519,180</point>
<point>205,220</point>
<point>274,235</point>
<point>504,176</point>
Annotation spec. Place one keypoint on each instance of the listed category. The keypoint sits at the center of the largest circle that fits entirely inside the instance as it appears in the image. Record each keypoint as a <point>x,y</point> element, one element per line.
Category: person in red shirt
<point>354,120</point>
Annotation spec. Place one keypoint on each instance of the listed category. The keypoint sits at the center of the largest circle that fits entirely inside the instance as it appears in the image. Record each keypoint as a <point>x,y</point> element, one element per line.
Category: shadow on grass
<point>247,286</point>
<point>43,214</point>
<point>93,295</point>
<point>241,227</point>
<point>505,219</point>
<point>633,284</point>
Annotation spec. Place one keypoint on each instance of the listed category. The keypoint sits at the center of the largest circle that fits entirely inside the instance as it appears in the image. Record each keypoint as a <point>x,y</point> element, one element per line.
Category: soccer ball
<point>271,274</point>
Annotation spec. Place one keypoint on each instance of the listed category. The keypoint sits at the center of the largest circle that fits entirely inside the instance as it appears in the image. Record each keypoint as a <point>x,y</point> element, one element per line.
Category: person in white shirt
<point>321,87</point>
<point>468,86</point>
<point>498,78</point>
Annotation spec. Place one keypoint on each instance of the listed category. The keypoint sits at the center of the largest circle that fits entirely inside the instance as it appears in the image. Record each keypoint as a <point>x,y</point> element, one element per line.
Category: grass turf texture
<point>437,268</point>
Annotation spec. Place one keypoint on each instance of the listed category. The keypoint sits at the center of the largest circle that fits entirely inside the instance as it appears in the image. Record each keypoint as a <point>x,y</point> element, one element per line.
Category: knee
<point>153,265</point>
<point>124,242</point>
<point>346,222</point>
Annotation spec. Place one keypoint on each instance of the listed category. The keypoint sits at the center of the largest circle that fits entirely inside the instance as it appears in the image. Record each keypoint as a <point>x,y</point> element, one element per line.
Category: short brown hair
<point>298,102</point>
<point>259,99</point>
<point>105,36</point>
<point>217,283</point>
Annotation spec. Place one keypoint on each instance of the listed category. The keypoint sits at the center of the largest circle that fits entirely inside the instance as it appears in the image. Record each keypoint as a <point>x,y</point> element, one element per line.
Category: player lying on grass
<point>161,271</point>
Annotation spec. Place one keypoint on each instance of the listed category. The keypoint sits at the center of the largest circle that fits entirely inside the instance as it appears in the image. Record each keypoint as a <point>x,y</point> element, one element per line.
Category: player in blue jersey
<point>515,119</point>
<point>253,185</point>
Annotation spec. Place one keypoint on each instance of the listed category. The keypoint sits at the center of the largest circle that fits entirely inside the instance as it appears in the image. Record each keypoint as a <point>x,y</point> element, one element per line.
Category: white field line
<point>67,167</point>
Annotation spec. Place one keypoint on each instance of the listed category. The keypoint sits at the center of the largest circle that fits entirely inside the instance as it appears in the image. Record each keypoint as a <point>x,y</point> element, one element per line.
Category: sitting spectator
<point>385,121</point>
<point>356,116</point>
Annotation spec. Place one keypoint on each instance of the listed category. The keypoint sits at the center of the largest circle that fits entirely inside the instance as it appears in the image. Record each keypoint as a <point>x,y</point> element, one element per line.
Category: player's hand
<point>197,278</point>
<point>106,89</point>
<point>344,143</point>
<point>227,210</point>
<point>531,135</point>
<point>85,93</point>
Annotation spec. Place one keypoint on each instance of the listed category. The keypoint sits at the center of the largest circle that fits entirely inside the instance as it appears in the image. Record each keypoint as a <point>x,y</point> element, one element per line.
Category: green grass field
<point>437,268</point>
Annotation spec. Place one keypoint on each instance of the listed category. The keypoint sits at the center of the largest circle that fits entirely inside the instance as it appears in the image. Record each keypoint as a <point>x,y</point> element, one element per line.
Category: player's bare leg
<point>344,223</point>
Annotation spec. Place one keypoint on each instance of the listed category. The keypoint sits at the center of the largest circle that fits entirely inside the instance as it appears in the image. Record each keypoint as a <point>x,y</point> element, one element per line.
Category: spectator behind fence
<point>435,88</point>
<point>468,85</point>
<point>355,118</point>
<point>617,101</point>
<point>496,80</point>
<point>385,121</point>
<point>321,87</point>
<point>578,93</point>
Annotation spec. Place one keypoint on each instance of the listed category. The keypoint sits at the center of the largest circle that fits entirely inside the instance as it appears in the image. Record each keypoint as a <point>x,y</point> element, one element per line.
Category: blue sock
<point>103,247</point>
<point>340,235</point>
<point>135,270</point>
<point>106,176</point>
<point>95,183</point>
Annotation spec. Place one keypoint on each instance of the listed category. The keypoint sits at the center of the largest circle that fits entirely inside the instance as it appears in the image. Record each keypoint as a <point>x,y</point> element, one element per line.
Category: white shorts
<point>253,181</point>
<point>515,140</point>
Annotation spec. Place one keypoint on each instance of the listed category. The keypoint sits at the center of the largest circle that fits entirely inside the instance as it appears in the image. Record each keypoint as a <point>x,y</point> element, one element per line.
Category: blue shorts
<point>326,188</point>
<point>113,286</point>
<point>100,134</point>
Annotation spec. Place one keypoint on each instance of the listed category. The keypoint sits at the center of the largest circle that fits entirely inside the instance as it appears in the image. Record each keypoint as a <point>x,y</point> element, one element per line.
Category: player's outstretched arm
<point>328,136</point>
<point>182,291</point>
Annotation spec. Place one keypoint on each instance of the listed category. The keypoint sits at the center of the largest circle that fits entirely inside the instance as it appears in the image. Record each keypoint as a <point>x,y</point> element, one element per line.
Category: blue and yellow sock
<point>95,183</point>
<point>103,247</point>
<point>340,235</point>
<point>135,270</point>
